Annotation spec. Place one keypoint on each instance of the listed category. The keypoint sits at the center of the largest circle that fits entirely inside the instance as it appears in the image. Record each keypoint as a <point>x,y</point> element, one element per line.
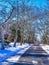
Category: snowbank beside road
<point>19,44</point>
<point>46,48</point>
<point>12,44</point>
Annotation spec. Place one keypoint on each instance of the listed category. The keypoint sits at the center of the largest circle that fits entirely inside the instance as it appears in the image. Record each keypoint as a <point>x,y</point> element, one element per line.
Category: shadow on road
<point>23,63</point>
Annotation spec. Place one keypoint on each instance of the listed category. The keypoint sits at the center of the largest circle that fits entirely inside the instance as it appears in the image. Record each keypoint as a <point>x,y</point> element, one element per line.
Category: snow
<point>10,53</point>
<point>35,62</point>
<point>46,48</point>
<point>12,44</point>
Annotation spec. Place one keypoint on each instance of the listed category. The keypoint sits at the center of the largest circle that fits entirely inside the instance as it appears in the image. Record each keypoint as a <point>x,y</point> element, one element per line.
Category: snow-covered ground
<point>12,44</point>
<point>11,54</point>
<point>45,47</point>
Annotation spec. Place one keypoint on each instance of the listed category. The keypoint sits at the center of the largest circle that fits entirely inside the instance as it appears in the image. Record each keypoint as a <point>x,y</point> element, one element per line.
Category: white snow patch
<point>46,48</point>
<point>35,62</point>
<point>11,44</point>
<point>11,48</point>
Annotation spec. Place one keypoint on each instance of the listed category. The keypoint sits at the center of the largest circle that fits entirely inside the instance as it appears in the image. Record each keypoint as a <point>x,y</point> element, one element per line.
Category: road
<point>35,55</point>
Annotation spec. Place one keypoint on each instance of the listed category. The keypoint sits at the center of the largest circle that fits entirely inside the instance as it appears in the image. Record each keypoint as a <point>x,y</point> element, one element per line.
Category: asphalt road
<point>35,55</point>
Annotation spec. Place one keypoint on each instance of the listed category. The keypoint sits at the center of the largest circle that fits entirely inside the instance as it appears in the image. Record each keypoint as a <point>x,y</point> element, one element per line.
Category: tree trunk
<point>2,37</point>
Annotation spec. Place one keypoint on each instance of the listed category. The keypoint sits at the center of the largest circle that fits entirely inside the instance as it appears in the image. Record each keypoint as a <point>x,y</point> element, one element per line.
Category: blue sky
<point>37,2</point>
<point>5,6</point>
